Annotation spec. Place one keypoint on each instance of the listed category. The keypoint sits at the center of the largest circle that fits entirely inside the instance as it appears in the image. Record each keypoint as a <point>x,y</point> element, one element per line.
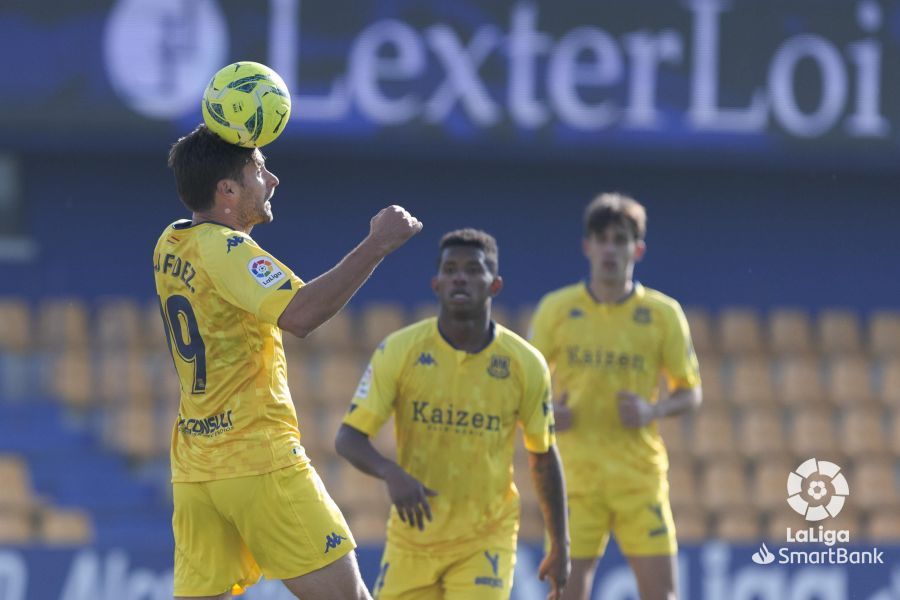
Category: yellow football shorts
<point>482,574</point>
<point>640,518</point>
<point>228,532</point>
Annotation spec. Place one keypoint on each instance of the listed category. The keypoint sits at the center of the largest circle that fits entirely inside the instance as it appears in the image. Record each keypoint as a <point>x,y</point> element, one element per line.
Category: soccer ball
<point>246,103</point>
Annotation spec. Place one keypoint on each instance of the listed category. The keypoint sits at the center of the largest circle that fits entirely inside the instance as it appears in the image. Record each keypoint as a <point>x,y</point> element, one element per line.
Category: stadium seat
<point>723,487</point>
<point>862,433</point>
<point>751,382</point>
<point>15,325</point>
<point>133,431</point>
<point>768,483</point>
<point>153,332</point>
<point>385,442</point>
<point>426,310</point>
<point>740,331</point>
<point>117,325</point>
<point>889,388</point>
<point>894,433</point>
<point>790,332</point>
<point>849,381</point>
<point>15,492</point>
<point>713,435</point>
<point>62,323</point>
<point>672,432</point>
<point>701,326</point>
<point>368,527</point>
<point>72,379</point>
<point>122,377</point>
<point>15,528</point>
<point>531,525</point>
<point>691,524</point>
<point>874,485</point>
<point>65,527</point>
<point>337,378</point>
<point>712,380</point>
<point>683,492</point>
<point>839,332</point>
<point>799,382</point>
<point>337,334</point>
<point>358,491</point>
<point>884,526</point>
<point>812,433</point>
<point>301,384</point>
<point>377,321</point>
<point>884,333</point>
<point>742,526</point>
<point>761,433</point>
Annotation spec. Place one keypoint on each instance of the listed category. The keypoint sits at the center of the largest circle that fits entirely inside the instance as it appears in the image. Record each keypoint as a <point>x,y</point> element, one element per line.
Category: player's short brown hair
<point>472,238</point>
<point>200,160</point>
<point>614,208</point>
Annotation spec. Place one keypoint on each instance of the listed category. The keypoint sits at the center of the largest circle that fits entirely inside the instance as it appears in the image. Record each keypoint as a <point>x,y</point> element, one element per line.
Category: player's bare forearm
<point>357,448</point>
<point>324,296</point>
<point>549,483</point>
<point>681,401</point>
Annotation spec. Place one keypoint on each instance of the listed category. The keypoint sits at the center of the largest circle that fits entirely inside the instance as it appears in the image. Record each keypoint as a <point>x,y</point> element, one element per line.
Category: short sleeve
<point>679,359</point>
<point>536,414</point>
<point>249,277</point>
<point>373,401</point>
<point>540,334</point>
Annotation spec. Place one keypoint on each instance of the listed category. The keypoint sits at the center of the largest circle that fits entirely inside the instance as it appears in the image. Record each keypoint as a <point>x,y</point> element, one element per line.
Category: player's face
<point>464,282</point>
<point>613,253</point>
<point>257,189</point>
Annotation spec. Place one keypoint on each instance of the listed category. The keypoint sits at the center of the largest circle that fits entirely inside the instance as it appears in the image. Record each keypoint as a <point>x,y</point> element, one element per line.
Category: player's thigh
<point>408,575</point>
<point>590,522</point>
<point>339,580</point>
<point>487,574</point>
<point>643,523</point>
<point>656,576</point>
<point>211,559</point>
<point>290,523</point>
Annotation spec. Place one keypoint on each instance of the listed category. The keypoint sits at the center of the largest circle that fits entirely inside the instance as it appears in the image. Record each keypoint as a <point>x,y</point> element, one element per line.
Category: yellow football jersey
<point>220,297</point>
<point>596,349</point>
<point>455,417</point>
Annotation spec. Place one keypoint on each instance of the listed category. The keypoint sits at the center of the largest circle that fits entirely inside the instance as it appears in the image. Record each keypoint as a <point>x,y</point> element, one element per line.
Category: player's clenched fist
<point>392,226</point>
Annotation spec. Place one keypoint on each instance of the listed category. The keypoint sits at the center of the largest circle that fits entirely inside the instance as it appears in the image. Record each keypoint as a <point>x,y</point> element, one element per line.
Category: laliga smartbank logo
<point>817,490</point>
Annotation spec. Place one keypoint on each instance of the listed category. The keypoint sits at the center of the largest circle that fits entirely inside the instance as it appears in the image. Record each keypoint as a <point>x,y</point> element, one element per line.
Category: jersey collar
<point>186,224</point>
<point>637,292</point>
<point>491,339</point>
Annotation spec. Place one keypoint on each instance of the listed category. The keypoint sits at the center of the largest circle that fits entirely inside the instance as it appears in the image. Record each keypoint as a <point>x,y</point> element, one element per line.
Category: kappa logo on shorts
<point>333,541</point>
<point>495,581</point>
<point>656,509</point>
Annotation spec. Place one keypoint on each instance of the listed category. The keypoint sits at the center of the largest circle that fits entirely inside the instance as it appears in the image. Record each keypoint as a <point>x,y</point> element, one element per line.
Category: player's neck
<point>469,334</point>
<point>610,292</point>
<point>222,217</point>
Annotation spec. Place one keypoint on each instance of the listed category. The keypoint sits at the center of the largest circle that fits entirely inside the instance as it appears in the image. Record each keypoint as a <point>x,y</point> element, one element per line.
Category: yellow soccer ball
<point>246,103</point>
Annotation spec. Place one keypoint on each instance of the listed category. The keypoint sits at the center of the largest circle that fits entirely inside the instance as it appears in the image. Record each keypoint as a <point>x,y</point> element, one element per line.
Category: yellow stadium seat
<point>790,331</point>
<point>701,326</point>
<point>740,331</point>
<point>884,333</point>
<point>15,325</point>
<point>691,524</point>
<point>862,433</point>
<point>884,526</point>
<point>839,332</point>
<point>672,432</point>
<point>338,377</point>
<point>117,325</point>
<point>849,381</point>
<point>874,484</point>
<point>15,492</point>
<point>62,323</point>
<point>15,527</point>
<point>723,487</point>
<point>738,527</point>
<point>426,310</point>
<point>683,492</point>
<point>889,389</point>
<point>73,379</point>
<point>751,382</point>
<point>813,434</point>
<point>894,432</point>
<point>377,321</point>
<point>713,435</point>
<point>800,382</point>
<point>123,377</point>
<point>768,483</point>
<point>712,380</point>
<point>368,527</point>
<point>337,334</point>
<point>761,433</point>
<point>531,526</point>
<point>65,527</point>
<point>134,431</point>
<point>153,331</point>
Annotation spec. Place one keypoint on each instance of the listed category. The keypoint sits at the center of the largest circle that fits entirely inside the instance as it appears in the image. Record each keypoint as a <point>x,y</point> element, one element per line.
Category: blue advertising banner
<point>762,80</point>
<point>712,571</point>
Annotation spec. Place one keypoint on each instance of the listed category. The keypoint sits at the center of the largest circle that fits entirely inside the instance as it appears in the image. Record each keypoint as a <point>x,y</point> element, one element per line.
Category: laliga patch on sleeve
<point>265,271</point>
<point>362,390</point>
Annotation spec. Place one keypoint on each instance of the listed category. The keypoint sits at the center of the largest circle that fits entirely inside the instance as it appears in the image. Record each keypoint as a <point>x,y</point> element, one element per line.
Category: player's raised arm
<point>547,475</point>
<point>407,493</point>
<point>324,296</point>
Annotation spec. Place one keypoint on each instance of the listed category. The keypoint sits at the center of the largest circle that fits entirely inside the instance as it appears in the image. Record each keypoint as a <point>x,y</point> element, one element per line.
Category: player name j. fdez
<point>172,264</point>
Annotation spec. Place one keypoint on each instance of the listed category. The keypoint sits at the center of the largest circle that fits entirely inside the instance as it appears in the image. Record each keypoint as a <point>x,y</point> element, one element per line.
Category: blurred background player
<point>246,499</point>
<point>608,340</point>
<point>457,386</point>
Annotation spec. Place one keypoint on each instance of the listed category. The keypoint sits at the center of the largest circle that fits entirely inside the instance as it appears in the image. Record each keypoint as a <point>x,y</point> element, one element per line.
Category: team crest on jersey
<point>266,272</point>
<point>641,315</point>
<point>499,367</point>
